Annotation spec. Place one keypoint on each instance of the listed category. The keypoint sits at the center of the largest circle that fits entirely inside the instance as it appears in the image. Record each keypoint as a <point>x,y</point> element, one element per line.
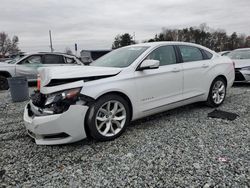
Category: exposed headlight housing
<point>63,95</point>
<point>60,101</point>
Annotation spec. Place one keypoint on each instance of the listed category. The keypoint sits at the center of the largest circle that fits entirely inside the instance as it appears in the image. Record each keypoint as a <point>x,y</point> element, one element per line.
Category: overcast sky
<point>93,24</point>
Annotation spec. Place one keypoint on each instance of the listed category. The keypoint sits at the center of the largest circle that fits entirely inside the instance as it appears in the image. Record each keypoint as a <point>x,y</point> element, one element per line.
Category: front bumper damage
<point>53,129</point>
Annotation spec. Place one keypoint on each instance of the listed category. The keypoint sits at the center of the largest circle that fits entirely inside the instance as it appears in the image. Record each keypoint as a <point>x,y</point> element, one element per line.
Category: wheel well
<point>223,77</point>
<point>5,74</point>
<point>114,93</point>
<point>123,96</point>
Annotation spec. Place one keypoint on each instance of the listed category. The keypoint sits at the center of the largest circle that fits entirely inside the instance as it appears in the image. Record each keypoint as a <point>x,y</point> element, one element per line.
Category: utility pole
<point>75,49</point>
<point>50,38</point>
<point>134,37</point>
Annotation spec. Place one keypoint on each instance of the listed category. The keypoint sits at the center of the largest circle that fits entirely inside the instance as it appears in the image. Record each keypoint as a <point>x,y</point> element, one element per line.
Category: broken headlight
<point>61,101</point>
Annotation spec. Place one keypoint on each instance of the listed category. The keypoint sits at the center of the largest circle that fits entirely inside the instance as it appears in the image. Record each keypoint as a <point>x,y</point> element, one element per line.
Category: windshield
<point>122,57</point>
<point>240,54</point>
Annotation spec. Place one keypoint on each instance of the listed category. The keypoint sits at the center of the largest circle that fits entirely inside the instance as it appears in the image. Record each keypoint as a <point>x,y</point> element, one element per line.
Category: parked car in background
<point>224,53</point>
<point>28,65</point>
<point>241,58</point>
<point>126,84</point>
<point>88,56</point>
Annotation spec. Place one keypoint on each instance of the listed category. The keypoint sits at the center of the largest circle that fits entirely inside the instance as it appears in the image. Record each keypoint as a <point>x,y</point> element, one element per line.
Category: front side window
<point>190,53</point>
<point>165,54</point>
<point>122,57</point>
<point>53,59</point>
<point>240,54</point>
<point>35,59</point>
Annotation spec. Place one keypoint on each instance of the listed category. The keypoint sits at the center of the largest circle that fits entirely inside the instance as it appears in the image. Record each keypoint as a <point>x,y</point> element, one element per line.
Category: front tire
<point>3,83</point>
<point>108,117</point>
<point>217,93</point>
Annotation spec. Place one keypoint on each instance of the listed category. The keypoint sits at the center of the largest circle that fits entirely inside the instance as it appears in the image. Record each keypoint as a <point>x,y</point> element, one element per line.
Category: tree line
<point>217,40</point>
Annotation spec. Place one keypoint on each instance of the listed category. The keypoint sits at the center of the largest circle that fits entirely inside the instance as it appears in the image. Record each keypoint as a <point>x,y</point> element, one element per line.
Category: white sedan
<point>126,84</point>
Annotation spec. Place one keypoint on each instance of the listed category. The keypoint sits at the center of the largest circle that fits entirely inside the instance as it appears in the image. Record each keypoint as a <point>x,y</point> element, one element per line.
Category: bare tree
<point>7,45</point>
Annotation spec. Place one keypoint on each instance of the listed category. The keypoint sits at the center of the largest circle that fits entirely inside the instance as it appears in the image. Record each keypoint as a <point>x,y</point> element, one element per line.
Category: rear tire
<point>3,83</point>
<point>217,93</point>
<point>108,117</point>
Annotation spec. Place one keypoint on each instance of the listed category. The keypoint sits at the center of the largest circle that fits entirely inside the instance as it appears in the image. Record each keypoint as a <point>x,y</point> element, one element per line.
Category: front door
<point>28,67</point>
<point>156,88</point>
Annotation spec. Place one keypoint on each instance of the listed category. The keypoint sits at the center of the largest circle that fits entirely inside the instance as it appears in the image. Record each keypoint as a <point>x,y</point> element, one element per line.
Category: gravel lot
<point>178,148</point>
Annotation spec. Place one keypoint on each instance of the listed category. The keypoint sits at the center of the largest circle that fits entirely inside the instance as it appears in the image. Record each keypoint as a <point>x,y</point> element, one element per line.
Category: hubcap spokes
<point>218,92</point>
<point>110,118</point>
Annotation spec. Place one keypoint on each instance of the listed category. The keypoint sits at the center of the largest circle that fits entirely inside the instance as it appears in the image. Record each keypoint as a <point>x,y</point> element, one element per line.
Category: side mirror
<point>149,64</point>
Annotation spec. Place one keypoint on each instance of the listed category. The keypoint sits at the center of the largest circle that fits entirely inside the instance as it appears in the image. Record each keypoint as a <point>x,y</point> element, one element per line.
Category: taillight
<point>38,82</point>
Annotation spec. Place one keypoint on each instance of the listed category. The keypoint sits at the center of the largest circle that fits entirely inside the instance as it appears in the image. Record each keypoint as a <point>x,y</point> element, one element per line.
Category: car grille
<point>239,76</point>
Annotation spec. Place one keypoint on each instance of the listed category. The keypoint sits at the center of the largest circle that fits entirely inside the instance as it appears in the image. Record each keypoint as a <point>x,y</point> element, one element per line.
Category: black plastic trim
<point>54,136</point>
<point>178,54</point>
<point>56,82</point>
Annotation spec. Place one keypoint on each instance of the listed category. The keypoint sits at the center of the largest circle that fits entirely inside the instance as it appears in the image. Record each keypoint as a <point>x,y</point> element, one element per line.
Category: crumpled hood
<point>240,63</point>
<point>73,72</point>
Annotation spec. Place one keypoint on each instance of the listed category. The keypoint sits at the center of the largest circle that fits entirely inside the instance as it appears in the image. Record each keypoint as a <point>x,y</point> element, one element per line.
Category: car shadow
<point>243,84</point>
<point>171,113</point>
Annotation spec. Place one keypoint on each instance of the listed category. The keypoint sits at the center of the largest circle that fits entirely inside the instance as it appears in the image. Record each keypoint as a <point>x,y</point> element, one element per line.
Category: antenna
<point>50,38</point>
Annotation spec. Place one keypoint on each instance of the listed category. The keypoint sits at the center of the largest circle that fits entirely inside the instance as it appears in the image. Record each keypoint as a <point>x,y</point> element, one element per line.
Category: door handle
<point>205,66</point>
<point>175,70</point>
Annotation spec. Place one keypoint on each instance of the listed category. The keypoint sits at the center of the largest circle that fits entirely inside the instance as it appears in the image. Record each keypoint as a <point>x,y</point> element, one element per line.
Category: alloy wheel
<point>110,118</point>
<point>218,92</point>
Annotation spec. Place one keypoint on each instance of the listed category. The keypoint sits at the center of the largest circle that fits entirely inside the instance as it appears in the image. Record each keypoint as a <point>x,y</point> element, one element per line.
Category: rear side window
<point>190,53</point>
<point>207,55</point>
<point>165,54</point>
<point>53,59</point>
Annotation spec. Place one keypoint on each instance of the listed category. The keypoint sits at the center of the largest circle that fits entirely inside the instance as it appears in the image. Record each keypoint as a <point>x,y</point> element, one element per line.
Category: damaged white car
<point>241,58</point>
<point>127,84</point>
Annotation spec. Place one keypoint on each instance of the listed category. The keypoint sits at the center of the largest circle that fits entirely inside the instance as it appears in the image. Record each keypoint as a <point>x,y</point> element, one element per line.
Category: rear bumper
<point>56,129</point>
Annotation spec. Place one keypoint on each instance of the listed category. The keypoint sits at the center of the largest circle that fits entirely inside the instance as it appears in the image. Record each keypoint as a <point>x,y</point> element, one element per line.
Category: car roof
<point>44,53</point>
<point>242,49</point>
<point>156,44</point>
<point>53,53</point>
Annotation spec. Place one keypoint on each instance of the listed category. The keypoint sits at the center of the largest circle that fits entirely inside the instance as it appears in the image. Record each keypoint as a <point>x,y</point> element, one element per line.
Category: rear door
<point>196,65</point>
